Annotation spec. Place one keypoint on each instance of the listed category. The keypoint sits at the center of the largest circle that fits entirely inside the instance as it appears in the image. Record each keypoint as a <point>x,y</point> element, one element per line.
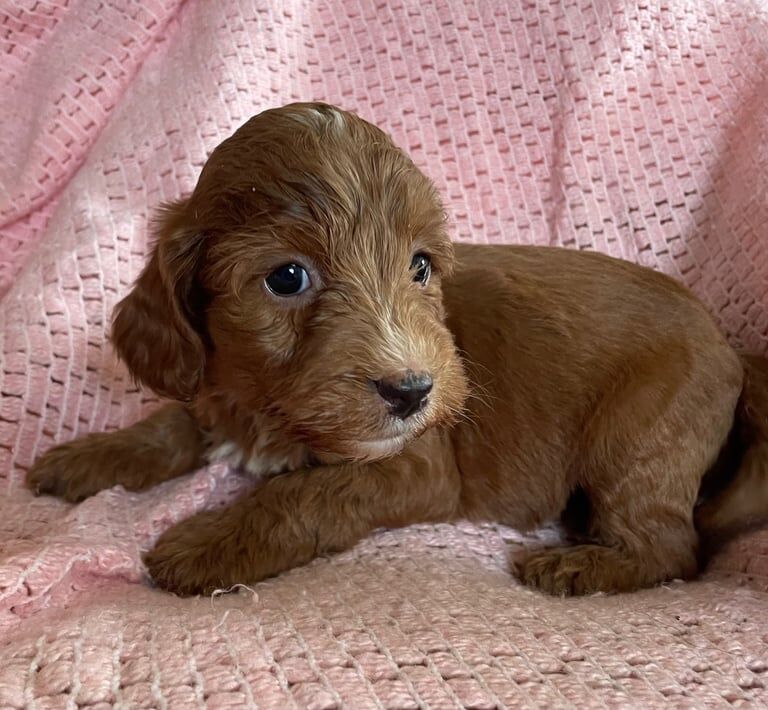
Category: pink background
<point>639,129</point>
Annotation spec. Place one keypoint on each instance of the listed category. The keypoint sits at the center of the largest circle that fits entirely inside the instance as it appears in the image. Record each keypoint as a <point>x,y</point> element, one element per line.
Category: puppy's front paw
<point>67,471</point>
<point>241,544</point>
<point>206,552</point>
<point>193,557</point>
<point>579,569</point>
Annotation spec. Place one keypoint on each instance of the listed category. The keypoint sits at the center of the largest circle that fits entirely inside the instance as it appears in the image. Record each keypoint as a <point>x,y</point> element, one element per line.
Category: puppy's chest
<point>266,456</point>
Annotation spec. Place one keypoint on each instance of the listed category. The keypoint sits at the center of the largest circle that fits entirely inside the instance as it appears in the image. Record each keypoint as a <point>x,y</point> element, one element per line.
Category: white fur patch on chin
<point>380,448</point>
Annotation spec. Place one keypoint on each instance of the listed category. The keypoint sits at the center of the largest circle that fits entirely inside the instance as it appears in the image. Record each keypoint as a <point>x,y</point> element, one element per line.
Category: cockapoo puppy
<point>307,313</point>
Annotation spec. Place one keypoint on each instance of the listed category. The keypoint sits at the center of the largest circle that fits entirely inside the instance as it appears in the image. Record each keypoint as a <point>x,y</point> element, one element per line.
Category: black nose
<point>405,395</point>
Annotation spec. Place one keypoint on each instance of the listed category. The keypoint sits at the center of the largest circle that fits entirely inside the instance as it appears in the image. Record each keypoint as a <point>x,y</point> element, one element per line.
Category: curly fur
<point>562,380</point>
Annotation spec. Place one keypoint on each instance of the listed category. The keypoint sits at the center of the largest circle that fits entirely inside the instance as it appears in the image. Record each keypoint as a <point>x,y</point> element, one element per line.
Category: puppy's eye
<point>421,267</point>
<point>288,280</point>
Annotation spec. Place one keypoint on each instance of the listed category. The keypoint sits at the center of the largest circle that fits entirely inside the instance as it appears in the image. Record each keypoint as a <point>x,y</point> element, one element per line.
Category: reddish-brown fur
<point>562,381</point>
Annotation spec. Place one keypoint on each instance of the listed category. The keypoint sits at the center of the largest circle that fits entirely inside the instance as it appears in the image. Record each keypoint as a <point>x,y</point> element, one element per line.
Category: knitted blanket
<point>637,129</point>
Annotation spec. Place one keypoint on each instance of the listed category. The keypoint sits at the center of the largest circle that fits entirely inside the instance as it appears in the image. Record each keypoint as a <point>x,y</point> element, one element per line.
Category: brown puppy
<point>308,312</point>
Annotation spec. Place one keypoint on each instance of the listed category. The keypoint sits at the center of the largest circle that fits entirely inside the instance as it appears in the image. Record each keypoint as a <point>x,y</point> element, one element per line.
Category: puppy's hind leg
<point>640,526</point>
<point>635,544</point>
<point>647,451</point>
<point>166,444</point>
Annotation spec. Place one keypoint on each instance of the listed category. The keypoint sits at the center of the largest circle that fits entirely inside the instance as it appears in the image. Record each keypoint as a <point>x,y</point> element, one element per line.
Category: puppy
<point>305,309</point>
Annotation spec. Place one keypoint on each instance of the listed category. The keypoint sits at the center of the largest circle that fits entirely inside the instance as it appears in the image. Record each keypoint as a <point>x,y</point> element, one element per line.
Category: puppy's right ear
<point>153,329</point>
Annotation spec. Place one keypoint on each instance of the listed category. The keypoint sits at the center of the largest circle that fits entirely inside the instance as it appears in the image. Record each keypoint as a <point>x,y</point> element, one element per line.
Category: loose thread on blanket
<point>235,587</point>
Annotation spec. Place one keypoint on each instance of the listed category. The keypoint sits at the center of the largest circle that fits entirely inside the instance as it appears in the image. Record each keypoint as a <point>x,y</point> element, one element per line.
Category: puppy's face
<point>302,280</point>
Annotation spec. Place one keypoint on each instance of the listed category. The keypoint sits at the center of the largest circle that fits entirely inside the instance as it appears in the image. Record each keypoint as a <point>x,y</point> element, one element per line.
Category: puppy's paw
<point>579,569</point>
<point>197,556</point>
<point>68,471</point>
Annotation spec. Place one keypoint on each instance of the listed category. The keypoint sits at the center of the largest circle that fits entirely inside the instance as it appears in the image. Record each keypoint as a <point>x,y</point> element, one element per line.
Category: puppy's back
<point>584,305</point>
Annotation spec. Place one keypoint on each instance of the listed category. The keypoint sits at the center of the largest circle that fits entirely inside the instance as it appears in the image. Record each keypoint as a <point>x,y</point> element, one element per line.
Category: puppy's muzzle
<point>405,394</point>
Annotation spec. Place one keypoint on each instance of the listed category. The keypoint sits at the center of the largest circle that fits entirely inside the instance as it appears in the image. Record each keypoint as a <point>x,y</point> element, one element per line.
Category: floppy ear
<point>153,329</point>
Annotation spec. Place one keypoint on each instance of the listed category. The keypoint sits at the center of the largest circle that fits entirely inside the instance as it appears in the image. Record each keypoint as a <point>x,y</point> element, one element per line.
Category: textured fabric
<point>639,129</point>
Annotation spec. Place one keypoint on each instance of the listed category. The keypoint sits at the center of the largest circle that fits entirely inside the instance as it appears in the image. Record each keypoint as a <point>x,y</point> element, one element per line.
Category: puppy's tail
<point>740,496</point>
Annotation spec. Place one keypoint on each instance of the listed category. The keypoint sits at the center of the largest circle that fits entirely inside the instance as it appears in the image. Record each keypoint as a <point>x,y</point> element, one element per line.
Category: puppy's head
<point>302,280</point>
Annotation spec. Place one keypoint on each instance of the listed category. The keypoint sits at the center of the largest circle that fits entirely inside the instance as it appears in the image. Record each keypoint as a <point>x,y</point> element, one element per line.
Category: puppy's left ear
<point>156,327</point>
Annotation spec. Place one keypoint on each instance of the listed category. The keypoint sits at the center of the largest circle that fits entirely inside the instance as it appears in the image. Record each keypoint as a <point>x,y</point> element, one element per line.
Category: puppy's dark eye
<point>421,267</point>
<point>288,280</point>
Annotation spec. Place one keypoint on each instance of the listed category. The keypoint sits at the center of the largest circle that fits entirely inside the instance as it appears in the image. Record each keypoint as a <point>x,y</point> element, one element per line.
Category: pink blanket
<point>636,129</point>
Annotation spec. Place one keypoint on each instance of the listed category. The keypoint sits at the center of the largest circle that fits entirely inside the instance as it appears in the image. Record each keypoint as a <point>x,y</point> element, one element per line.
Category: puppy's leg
<point>641,537</point>
<point>166,444</point>
<point>297,516</point>
<point>647,450</point>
